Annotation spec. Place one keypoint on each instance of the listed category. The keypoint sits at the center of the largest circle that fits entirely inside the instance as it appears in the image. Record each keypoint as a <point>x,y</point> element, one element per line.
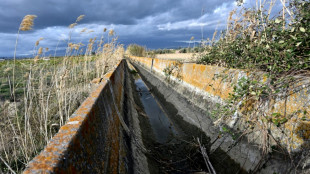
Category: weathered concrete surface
<point>102,136</point>
<point>186,132</point>
<point>203,86</point>
<point>140,164</point>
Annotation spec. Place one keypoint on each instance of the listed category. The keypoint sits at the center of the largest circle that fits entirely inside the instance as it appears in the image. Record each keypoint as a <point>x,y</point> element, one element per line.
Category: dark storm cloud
<point>64,12</point>
<point>155,24</point>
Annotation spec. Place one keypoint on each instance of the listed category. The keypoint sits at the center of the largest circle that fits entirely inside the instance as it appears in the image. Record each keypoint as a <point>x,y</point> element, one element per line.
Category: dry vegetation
<point>277,44</point>
<point>189,55</point>
<point>261,40</point>
<point>179,56</point>
<point>38,95</point>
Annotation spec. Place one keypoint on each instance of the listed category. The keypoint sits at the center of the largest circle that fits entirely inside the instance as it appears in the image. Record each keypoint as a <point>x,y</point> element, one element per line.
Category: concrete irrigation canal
<point>154,116</point>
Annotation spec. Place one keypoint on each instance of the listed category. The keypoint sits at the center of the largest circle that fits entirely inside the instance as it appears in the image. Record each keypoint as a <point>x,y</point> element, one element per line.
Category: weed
<point>174,69</point>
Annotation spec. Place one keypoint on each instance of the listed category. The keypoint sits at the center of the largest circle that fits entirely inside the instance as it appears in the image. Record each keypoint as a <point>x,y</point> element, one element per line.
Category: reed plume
<point>27,23</point>
<point>111,32</point>
<point>213,38</point>
<point>72,25</point>
<point>90,31</point>
<point>36,58</point>
<point>40,51</point>
<point>76,21</point>
<point>80,18</point>
<point>38,41</point>
<point>83,30</point>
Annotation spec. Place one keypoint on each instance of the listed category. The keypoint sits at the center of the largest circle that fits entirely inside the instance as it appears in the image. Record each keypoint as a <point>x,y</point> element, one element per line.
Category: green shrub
<point>164,51</point>
<point>136,50</point>
<point>278,46</point>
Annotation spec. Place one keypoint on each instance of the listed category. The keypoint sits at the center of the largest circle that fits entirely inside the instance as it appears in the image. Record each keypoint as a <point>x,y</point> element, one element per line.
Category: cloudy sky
<point>154,24</point>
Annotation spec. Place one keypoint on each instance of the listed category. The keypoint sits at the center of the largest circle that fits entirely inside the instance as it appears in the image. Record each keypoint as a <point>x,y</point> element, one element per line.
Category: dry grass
<point>46,93</point>
<point>179,56</point>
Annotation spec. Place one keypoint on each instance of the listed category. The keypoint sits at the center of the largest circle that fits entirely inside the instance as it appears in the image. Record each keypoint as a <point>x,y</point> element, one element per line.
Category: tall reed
<point>47,92</point>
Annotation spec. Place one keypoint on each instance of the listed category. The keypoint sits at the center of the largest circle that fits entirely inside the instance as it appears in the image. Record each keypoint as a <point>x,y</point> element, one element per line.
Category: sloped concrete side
<point>204,86</point>
<point>139,160</point>
<point>214,84</point>
<point>97,138</point>
<point>247,157</point>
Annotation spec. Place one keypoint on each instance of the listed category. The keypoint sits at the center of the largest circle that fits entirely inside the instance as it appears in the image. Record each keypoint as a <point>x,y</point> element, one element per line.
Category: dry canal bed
<point>172,142</point>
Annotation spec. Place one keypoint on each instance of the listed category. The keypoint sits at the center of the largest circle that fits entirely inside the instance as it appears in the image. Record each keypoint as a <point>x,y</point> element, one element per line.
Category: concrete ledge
<point>96,138</point>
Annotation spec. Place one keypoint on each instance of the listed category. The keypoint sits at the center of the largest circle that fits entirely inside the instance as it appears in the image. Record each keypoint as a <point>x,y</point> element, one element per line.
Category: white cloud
<point>209,20</point>
<point>189,41</point>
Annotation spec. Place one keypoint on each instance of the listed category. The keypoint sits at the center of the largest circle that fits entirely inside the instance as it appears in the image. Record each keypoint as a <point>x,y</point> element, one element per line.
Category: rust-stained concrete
<point>99,138</point>
<point>93,139</point>
<point>205,85</point>
<point>218,83</point>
